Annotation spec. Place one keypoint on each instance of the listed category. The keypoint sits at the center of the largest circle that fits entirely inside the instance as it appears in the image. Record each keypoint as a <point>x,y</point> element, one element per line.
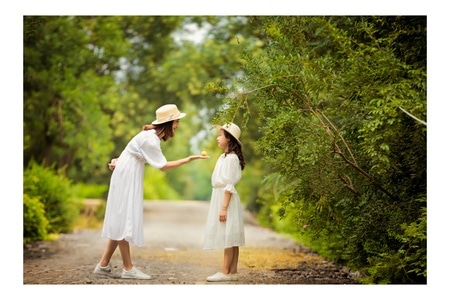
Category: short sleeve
<point>231,172</point>
<point>152,153</point>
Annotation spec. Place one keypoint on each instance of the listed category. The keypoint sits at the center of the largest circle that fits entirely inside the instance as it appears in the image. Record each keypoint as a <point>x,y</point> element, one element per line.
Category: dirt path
<point>173,254</point>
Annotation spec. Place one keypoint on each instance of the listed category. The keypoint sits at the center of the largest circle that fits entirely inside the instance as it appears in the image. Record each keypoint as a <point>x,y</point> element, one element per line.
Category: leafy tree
<point>69,88</point>
<point>336,96</point>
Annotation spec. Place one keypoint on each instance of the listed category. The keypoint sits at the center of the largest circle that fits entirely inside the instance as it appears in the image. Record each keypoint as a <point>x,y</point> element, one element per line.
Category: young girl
<point>225,224</point>
<point>124,207</point>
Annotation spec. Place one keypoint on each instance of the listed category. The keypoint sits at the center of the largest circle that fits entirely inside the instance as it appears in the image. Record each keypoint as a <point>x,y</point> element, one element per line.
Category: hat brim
<point>156,122</point>
<point>221,127</point>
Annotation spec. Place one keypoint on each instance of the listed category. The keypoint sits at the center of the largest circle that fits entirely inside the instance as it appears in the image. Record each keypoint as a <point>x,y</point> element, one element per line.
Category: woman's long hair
<point>234,146</point>
<point>165,130</point>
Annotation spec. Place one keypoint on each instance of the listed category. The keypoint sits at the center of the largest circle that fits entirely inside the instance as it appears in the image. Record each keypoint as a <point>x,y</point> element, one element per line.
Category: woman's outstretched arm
<point>176,163</point>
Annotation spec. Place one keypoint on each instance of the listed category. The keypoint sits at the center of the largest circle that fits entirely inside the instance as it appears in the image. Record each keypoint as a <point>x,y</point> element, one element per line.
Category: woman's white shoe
<point>134,273</point>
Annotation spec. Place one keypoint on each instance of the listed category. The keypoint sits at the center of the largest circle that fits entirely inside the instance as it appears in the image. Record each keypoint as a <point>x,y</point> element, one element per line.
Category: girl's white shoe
<point>219,276</point>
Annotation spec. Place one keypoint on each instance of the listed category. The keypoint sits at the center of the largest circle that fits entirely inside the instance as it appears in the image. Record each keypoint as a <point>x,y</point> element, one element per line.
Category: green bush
<point>408,264</point>
<point>157,187</point>
<point>35,223</point>
<point>55,193</point>
<point>90,191</point>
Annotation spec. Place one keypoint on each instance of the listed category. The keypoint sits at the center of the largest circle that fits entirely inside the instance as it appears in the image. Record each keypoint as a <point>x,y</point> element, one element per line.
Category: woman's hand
<point>176,163</point>
<point>194,157</point>
<point>112,164</point>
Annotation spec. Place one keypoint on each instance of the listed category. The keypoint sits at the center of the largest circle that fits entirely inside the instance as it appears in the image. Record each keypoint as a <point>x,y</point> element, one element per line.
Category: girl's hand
<point>223,214</point>
<point>112,164</point>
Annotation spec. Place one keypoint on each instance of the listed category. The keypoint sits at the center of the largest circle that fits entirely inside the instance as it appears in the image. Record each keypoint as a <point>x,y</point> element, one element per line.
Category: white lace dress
<point>220,235</point>
<point>124,205</point>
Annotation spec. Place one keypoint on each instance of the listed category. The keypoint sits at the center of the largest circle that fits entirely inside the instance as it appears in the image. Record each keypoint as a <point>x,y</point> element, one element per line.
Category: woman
<point>123,223</point>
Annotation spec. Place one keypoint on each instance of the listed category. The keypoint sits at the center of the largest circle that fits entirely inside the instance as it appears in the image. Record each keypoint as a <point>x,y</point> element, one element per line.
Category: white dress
<point>220,235</point>
<point>124,205</point>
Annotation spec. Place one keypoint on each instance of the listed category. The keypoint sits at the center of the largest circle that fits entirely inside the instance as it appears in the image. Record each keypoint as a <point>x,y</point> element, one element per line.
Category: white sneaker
<point>106,271</point>
<point>219,276</point>
<point>134,273</point>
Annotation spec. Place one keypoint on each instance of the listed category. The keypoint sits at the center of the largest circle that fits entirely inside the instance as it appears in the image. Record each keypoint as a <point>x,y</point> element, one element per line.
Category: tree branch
<point>412,116</point>
<point>367,175</point>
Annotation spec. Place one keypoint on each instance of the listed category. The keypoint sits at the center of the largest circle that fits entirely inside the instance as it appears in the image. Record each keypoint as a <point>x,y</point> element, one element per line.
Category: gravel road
<point>173,254</point>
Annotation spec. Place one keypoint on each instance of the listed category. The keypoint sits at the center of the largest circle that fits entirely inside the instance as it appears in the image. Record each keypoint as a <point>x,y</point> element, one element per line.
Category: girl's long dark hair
<point>234,146</point>
<point>164,129</point>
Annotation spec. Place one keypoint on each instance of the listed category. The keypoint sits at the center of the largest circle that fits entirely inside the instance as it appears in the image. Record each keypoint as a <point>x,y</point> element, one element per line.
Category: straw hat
<point>232,129</point>
<point>167,113</point>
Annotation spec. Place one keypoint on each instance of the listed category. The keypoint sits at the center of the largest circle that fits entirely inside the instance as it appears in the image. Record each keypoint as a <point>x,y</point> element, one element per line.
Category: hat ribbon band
<point>169,117</point>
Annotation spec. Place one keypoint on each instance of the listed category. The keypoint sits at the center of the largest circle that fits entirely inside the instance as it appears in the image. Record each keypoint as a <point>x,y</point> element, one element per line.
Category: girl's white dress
<point>220,235</point>
<point>124,205</point>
